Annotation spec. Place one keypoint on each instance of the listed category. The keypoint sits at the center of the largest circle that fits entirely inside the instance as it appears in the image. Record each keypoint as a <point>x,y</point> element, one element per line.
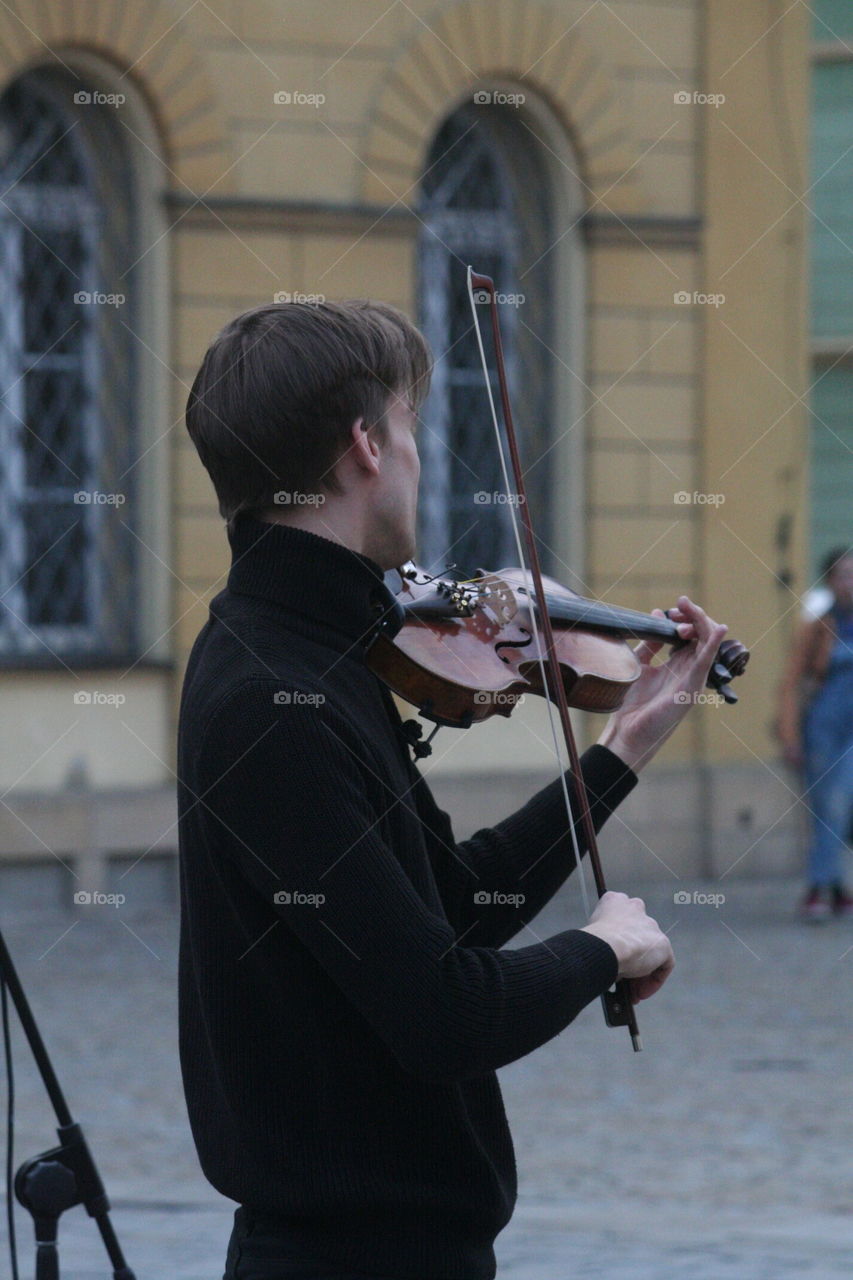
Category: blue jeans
<point>828,743</point>
<point>256,1251</point>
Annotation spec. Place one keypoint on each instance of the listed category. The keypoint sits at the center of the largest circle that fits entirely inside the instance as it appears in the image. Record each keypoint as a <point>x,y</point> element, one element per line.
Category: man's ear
<point>364,450</point>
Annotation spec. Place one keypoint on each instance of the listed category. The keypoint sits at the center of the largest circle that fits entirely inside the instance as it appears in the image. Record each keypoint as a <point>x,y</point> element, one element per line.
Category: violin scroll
<point>730,661</point>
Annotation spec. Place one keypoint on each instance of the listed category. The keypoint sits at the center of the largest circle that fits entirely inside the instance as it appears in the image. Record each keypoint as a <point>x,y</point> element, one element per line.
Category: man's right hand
<point>642,948</point>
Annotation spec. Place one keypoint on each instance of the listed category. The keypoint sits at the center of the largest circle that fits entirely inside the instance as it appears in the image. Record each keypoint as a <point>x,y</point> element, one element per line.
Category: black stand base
<point>66,1175</point>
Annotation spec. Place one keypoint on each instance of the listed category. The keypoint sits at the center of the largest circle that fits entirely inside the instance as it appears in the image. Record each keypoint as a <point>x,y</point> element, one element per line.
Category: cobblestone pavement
<point>722,1152</point>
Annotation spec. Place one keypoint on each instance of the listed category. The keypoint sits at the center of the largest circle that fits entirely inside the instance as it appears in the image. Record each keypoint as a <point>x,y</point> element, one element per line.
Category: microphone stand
<point>66,1175</point>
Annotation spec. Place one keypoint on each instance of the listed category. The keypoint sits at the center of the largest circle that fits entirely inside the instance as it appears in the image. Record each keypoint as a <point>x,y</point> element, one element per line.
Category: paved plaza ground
<point>724,1151</point>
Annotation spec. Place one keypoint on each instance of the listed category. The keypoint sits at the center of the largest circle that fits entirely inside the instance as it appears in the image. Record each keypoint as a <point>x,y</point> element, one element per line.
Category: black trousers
<point>256,1252</point>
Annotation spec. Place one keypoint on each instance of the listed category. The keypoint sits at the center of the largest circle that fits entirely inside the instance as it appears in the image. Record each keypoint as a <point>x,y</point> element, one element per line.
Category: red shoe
<point>814,908</point>
<point>842,903</point>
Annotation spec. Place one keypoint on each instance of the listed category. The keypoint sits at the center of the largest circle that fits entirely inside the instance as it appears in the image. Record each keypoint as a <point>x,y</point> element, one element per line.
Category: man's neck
<point>320,520</point>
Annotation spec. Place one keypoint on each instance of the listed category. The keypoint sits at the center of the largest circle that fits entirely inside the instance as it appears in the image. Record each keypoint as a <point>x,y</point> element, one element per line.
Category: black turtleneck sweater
<point>344,997</point>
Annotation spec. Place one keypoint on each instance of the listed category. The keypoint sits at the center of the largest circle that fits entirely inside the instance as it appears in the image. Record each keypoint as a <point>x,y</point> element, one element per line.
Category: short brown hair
<point>273,404</point>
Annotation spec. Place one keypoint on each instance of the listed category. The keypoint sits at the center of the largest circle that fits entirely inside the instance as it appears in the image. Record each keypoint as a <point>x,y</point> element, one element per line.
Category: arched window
<point>67,366</point>
<point>485,202</point>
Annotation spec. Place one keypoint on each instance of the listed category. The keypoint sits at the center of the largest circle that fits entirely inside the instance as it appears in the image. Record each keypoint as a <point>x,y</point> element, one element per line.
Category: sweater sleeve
<point>287,796</point>
<point>495,882</point>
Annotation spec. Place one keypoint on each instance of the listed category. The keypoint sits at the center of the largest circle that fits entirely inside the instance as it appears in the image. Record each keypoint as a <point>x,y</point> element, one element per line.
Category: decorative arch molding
<point>143,42</point>
<point>489,44</point>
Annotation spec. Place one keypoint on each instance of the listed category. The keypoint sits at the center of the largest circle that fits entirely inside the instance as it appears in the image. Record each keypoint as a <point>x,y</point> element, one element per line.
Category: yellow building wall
<point>263,197</point>
<point>609,80</point>
<point>754,360</point>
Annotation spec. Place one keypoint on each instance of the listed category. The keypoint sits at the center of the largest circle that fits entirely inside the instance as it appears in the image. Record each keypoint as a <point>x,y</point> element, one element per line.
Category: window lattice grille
<point>66,367</point>
<point>484,205</point>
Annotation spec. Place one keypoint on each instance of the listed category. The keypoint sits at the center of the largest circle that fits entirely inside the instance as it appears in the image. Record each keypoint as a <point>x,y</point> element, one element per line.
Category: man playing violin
<point>345,996</point>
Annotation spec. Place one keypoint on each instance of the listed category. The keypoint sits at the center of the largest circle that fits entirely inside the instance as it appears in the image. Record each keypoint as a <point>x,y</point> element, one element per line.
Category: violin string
<point>616,620</point>
<point>522,560</point>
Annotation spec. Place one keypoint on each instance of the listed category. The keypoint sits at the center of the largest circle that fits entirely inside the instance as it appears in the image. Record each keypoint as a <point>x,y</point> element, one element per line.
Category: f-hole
<point>513,644</point>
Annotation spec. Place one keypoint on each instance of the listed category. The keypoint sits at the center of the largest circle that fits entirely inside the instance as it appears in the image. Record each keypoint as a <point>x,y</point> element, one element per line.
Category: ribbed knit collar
<point>308,575</point>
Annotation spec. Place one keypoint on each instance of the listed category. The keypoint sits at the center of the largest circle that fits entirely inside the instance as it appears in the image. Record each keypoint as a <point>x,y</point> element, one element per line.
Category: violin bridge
<point>497,596</point>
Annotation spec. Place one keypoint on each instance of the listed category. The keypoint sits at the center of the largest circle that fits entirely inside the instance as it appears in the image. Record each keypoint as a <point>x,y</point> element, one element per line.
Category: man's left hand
<point>661,696</point>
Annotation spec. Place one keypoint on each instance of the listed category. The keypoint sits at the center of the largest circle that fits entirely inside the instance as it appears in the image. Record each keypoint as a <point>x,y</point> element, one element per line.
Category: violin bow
<point>617,1004</point>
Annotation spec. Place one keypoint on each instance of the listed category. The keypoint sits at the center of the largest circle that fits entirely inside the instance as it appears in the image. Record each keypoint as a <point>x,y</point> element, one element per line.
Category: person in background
<point>816,732</point>
<point>816,601</point>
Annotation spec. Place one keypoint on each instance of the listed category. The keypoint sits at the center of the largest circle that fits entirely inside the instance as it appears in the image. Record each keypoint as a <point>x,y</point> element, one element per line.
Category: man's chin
<point>401,552</point>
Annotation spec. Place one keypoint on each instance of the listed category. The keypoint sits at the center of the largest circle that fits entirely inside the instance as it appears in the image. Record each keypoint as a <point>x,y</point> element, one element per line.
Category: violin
<point>464,651</point>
